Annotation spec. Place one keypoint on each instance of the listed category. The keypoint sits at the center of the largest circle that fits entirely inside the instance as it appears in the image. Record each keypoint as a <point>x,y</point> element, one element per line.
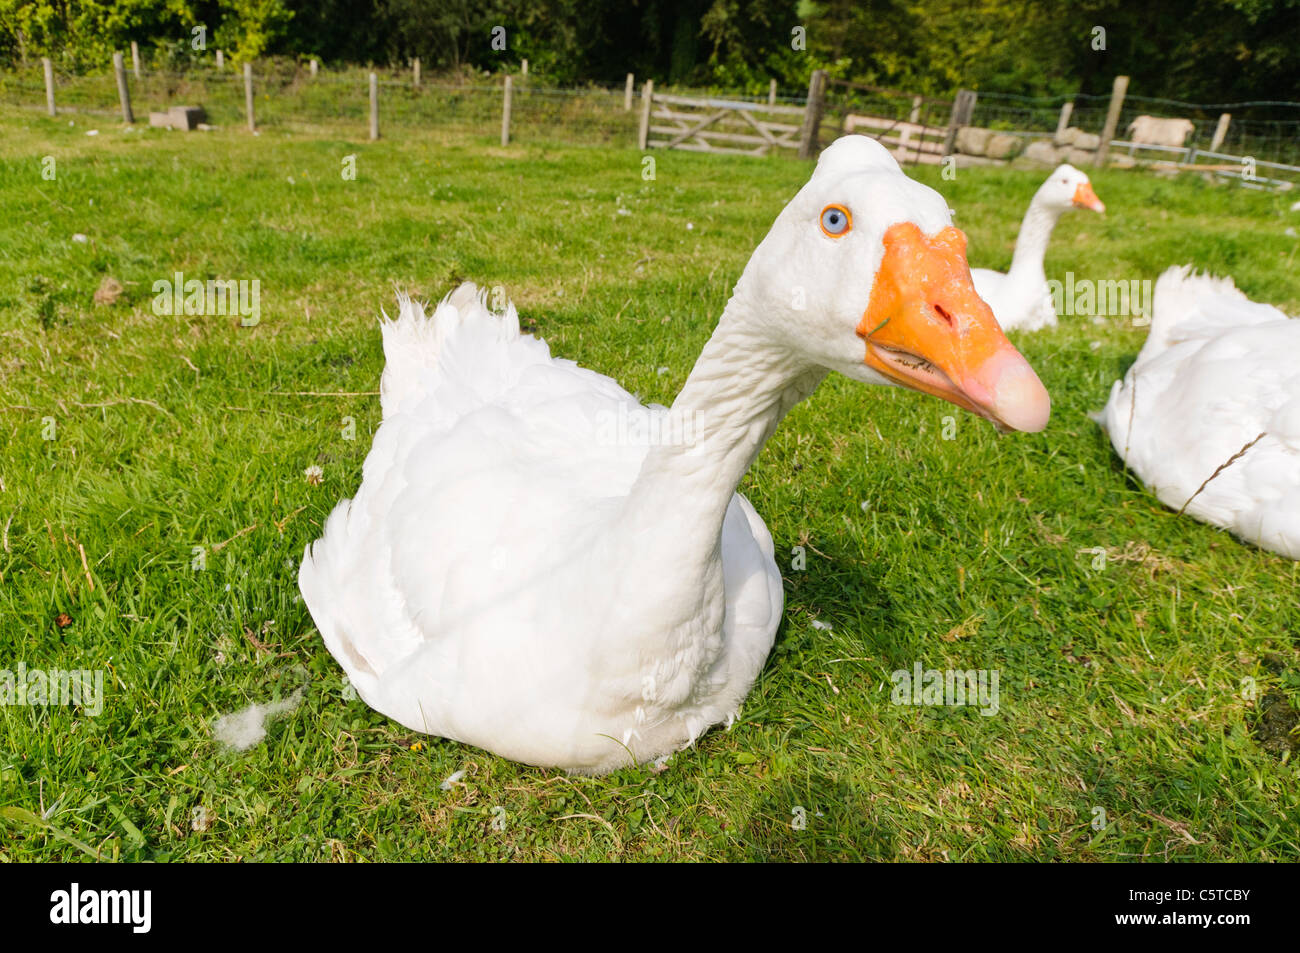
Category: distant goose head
<point>1068,188</point>
<point>863,273</point>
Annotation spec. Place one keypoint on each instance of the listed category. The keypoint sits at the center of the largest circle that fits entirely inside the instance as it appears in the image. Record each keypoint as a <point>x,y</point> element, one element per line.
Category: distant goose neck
<point>1031,244</point>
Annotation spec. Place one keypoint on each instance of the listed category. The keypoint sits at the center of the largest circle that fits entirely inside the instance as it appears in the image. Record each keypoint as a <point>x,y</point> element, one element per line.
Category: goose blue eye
<point>836,220</point>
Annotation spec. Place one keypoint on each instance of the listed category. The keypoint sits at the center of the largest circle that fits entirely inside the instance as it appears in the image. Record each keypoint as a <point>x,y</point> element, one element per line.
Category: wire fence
<point>1268,130</point>
<point>845,99</point>
<point>288,95</point>
<point>338,103</point>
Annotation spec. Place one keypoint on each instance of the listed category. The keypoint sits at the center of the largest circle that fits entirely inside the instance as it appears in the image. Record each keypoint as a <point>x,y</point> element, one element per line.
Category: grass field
<point>155,508</point>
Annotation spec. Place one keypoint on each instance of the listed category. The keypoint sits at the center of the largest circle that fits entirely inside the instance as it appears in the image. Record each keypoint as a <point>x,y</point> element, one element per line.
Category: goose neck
<point>734,398</point>
<point>1031,244</point>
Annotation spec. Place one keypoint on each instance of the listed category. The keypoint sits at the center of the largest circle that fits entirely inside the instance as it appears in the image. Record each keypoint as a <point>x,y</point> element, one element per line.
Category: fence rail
<point>911,141</point>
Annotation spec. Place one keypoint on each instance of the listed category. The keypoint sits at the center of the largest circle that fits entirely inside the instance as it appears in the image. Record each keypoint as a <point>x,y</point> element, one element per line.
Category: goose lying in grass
<point>518,573</point>
<point>1020,298</point>
<point>1219,374</point>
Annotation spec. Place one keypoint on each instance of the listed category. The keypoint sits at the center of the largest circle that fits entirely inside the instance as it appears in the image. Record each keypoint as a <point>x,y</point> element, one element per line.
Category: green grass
<point>1121,688</point>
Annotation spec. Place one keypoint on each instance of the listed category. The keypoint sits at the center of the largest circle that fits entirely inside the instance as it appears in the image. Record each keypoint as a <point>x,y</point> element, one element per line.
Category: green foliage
<point>84,35</point>
<point>252,28</point>
<point>1204,50</point>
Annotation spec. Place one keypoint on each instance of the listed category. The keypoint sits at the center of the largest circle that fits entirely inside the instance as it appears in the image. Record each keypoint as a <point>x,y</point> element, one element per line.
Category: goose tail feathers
<point>414,341</point>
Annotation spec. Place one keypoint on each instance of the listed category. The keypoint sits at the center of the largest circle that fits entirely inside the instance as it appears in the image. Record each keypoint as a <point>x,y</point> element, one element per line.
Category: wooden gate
<point>718,125</point>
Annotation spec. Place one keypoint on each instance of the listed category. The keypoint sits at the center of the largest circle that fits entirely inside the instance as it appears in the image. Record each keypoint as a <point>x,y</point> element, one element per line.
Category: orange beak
<point>926,328</point>
<point>1085,197</point>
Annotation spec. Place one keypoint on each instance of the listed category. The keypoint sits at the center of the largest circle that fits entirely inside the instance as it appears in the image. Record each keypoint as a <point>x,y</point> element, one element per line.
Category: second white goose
<point>1020,298</point>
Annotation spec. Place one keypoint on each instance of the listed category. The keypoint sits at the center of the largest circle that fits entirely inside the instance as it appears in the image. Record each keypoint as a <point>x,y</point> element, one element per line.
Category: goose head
<point>863,273</point>
<point>1067,188</point>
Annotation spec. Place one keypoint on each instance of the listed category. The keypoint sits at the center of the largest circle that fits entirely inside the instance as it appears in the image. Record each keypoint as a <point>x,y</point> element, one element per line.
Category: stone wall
<point>1073,146</point>
<point>974,141</point>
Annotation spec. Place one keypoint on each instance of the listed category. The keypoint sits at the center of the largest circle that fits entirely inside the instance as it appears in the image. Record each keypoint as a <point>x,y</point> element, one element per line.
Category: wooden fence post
<point>123,93</point>
<point>950,136</point>
<point>627,95</point>
<point>374,107</point>
<point>505,112</point>
<point>1063,123</point>
<point>963,110</point>
<point>647,98</point>
<point>771,93</point>
<point>248,96</point>
<point>135,58</point>
<point>415,69</point>
<point>1112,118</point>
<point>314,67</point>
<point>523,69</point>
<point>221,59</point>
<point>49,83</point>
<point>915,115</point>
<point>1220,131</point>
<point>812,115</point>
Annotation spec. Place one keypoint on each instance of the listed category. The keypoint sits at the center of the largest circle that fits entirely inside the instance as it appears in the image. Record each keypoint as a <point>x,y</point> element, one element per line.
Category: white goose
<point>1217,371</point>
<point>1020,298</point>
<point>522,570</point>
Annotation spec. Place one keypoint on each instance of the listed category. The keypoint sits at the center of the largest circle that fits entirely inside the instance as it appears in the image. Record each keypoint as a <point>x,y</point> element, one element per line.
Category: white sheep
<point>1148,130</point>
